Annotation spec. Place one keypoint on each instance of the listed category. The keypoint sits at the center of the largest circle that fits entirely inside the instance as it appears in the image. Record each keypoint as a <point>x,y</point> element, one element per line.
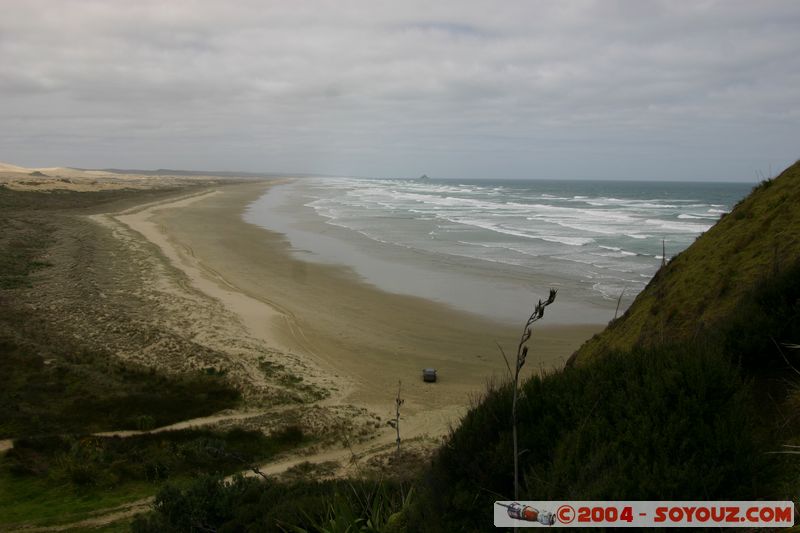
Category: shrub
<point>110,461</point>
<point>668,423</point>
<point>771,311</point>
<point>252,504</point>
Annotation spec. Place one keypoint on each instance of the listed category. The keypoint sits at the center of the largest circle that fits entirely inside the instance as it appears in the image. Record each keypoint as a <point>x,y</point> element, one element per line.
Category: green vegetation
<point>44,477</point>
<point>74,202</point>
<point>65,388</point>
<point>56,383</point>
<point>670,423</point>
<point>703,288</point>
<point>31,500</point>
<point>53,383</point>
<point>250,504</point>
<point>769,313</point>
<point>73,390</point>
<point>92,461</point>
<point>22,243</point>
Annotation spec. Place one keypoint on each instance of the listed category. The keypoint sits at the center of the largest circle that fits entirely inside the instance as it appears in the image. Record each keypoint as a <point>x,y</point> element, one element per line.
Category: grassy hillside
<point>664,424</point>
<point>704,287</point>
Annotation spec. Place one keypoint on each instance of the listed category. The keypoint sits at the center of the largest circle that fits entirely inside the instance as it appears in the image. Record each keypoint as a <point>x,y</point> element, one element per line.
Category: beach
<point>163,312</point>
<point>358,342</point>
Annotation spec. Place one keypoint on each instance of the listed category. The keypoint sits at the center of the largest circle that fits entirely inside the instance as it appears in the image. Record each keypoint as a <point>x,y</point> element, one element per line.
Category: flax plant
<point>522,354</point>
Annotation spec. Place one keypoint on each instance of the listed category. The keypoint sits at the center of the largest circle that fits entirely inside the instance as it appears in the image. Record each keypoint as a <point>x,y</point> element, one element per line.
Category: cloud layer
<point>594,89</point>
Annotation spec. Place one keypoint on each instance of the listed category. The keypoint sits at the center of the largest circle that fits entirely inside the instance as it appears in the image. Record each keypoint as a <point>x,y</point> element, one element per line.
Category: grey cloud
<point>387,88</point>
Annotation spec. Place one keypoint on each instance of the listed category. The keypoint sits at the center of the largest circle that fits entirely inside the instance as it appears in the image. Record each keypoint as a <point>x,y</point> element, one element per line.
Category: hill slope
<point>703,288</point>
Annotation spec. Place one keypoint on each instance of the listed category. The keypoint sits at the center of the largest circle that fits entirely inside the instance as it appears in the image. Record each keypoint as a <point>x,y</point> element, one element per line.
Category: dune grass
<point>39,502</point>
<point>250,504</point>
<point>52,383</point>
<point>70,389</point>
<point>65,478</point>
<point>55,383</point>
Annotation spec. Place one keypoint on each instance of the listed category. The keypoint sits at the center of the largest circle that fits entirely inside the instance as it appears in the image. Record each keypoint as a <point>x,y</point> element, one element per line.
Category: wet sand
<point>365,339</point>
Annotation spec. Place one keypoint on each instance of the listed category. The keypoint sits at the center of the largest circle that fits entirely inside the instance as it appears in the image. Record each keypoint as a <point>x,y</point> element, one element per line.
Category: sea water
<point>493,247</point>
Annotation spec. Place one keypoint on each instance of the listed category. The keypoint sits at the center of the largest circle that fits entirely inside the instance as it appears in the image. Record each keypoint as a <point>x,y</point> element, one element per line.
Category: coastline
<point>363,340</point>
<point>494,290</point>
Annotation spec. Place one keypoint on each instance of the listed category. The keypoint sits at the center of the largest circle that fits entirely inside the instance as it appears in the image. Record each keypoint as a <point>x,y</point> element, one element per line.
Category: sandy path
<point>189,424</point>
<point>257,315</point>
<point>7,444</point>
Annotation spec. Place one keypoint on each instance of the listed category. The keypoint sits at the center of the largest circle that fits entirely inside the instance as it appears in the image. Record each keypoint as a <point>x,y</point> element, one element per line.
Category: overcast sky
<point>464,89</point>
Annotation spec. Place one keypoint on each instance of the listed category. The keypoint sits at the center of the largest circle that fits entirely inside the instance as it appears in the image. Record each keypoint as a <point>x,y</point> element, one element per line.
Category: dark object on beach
<point>429,375</point>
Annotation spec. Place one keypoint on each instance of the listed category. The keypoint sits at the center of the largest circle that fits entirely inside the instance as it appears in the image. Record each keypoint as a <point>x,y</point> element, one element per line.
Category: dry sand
<point>357,341</point>
<point>73,179</point>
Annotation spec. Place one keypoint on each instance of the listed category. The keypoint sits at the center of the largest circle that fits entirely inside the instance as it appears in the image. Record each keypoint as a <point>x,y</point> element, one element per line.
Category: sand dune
<point>6,167</point>
<point>66,178</point>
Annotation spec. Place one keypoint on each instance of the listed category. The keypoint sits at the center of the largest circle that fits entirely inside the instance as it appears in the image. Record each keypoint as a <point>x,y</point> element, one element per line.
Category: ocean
<point>492,247</point>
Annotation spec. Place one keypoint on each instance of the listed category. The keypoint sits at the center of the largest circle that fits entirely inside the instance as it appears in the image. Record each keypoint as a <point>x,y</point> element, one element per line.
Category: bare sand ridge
<point>73,179</point>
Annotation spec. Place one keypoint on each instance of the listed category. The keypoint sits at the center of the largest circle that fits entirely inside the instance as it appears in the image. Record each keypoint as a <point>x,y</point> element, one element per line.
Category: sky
<point>571,89</point>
